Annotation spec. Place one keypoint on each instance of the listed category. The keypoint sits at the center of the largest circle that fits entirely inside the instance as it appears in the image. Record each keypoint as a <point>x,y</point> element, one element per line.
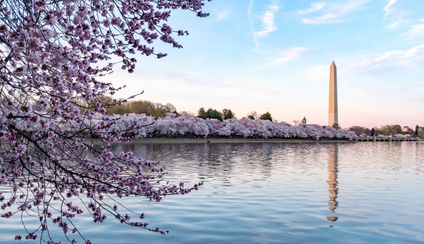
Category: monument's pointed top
<point>332,63</point>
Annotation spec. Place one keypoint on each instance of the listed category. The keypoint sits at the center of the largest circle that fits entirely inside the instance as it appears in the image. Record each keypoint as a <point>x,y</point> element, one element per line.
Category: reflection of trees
<point>333,160</point>
<point>210,160</point>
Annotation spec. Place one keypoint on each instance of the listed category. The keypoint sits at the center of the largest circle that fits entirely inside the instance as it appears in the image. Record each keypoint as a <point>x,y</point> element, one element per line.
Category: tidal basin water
<point>277,193</point>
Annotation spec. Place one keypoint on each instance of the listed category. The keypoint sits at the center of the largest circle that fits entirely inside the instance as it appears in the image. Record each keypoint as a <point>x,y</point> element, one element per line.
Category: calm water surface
<point>278,193</point>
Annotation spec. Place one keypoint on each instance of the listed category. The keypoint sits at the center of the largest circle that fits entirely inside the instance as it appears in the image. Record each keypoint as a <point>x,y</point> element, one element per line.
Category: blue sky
<point>274,55</point>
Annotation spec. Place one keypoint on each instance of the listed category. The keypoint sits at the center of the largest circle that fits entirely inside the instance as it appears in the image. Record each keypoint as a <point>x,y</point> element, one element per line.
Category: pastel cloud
<point>267,20</point>
<point>388,7</point>
<point>326,12</point>
<point>223,14</point>
<point>400,58</point>
<point>416,30</point>
<point>287,56</point>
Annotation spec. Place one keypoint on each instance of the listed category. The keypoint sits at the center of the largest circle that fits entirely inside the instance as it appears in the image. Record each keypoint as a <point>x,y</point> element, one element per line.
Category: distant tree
<point>266,116</point>
<point>417,128</point>
<point>336,126</point>
<point>359,130</point>
<point>142,107</point>
<point>252,115</point>
<point>156,110</point>
<point>202,113</point>
<point>171,108</point>
<point>372,132</point>
<point>160,111</point>
<point>104,100</point>
<point>396,129</point>
<point>214,114</point>
<point>390,130</point>
<point>227,114</point>
<point>119,109</point>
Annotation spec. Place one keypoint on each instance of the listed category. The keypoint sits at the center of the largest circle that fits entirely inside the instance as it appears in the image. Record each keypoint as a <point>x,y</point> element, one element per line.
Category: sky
<point>274,55</point>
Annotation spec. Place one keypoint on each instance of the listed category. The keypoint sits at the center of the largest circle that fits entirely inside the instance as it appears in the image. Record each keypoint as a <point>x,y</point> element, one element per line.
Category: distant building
<point>420,131</point>
<point>407,130</point>
<point>303,121</point>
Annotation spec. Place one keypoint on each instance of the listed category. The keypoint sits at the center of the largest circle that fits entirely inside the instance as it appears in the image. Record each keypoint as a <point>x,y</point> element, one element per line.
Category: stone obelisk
<point>333,113</point>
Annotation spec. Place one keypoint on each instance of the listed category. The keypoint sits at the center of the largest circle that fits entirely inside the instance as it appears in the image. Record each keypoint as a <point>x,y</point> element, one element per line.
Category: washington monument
<point>333,113</point>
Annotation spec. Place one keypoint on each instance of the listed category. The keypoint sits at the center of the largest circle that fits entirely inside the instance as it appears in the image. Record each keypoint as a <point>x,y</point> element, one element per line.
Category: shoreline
<point>230,140</point>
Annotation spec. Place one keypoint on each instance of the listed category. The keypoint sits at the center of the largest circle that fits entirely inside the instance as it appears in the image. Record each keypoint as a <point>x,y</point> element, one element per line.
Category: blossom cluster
<point>187,125</point>
<point>52,53</point>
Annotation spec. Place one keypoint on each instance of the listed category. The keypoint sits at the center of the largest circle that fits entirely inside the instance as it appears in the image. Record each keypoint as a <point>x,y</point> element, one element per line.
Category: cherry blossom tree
<point>190,126</point>
<point>52,55</point>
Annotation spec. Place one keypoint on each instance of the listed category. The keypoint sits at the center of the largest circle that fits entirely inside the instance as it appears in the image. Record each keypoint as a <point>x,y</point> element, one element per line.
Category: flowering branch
<point>52,53</point>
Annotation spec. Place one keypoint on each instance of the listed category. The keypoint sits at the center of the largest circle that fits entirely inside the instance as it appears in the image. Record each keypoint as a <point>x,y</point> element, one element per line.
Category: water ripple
<point>278,193</point>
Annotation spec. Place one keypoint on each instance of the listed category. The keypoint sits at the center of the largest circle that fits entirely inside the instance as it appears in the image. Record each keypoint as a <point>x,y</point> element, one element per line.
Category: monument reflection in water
<point>333,161</point>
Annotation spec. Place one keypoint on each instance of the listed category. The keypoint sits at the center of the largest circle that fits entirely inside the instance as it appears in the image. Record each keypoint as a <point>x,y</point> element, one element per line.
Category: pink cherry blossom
<point>186,125</point>
<point>54,142</point>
